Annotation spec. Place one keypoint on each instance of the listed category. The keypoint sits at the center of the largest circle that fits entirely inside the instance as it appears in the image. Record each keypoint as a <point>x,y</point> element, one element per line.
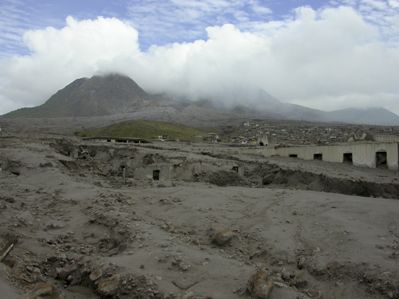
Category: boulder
<point>108,286</point>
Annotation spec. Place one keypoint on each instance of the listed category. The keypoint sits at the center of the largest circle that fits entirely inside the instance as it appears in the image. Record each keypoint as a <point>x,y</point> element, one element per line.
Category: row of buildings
<point>303,133</point>
<point>368,154</point>
<point>369,146</point>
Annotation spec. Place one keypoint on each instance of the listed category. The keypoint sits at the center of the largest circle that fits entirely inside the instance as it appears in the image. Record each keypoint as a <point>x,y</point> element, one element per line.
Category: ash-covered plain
<point>85,219</point>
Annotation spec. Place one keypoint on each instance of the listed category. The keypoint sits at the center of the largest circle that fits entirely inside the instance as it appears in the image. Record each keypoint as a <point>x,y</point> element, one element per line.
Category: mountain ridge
<point>113,94</point>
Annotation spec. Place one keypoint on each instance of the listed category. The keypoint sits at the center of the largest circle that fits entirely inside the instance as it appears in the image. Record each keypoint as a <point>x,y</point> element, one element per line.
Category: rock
<point>25,218</point>
<point>287,292</point>
<point>8,199</point>
<point>33,269</point>
<point>223,237</point>
<point>70,274</point>
<point>286,275</point>
<point>3,268</point>
<point>41,289</point>
<point>55,225</point>
<point>46,164</point>
<point>260,285</point>
<point>108,286</point>
<point>300,283</point>
<point>95,274</point>
<point>188,295</point>
<point>280,284</point>
<point>179,264</point>
<point>300,263</point>
<point>44,290</point>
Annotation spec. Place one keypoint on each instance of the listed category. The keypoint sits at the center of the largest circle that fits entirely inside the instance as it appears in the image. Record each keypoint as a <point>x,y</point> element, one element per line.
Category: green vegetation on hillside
<point>145,129</point>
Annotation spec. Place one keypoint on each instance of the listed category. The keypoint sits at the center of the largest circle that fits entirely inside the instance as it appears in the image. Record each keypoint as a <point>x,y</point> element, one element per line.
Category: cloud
<point>11,28</point>
<point>16,17</point>
<point>382,13</point>
<point>171,20</point>
<point>59,56</point>
<point>328,58</point>
<point>349,100</point>
<point>393,3</point>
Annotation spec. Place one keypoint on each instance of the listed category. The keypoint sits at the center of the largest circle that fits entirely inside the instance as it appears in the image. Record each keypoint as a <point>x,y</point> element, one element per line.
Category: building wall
<point>363,153</point>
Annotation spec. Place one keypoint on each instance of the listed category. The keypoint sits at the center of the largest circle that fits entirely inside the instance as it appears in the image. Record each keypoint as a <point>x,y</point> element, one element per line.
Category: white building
<point>368,154</point>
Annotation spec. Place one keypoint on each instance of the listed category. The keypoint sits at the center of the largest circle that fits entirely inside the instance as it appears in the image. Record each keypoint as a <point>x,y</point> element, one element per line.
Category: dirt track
<point>87,234</point>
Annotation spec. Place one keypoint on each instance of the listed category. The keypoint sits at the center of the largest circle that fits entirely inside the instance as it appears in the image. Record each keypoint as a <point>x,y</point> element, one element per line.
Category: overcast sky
<point>322,54</point>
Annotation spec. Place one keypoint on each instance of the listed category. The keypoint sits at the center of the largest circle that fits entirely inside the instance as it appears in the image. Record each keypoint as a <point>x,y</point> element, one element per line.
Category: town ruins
<point>92,218</point>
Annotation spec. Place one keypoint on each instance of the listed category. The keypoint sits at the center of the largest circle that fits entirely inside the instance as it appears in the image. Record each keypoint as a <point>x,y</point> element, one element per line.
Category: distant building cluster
<point>262,132</point>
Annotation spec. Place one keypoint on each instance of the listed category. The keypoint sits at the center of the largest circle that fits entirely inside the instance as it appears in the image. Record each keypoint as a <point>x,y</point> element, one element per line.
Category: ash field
<point>85,219</point>
<point>88,211</point>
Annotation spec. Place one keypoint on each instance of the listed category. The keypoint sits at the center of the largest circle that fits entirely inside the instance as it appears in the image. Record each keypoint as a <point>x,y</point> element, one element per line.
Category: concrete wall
<point>364,154</point>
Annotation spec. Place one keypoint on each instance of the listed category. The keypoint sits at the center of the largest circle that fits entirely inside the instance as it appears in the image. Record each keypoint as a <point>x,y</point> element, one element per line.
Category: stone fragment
<point>44,290</point>
<point>223,237</point>
<point>188,295</point>
<point>300,263</point>
<point>260,285</point>
<point>108,286</point>
<point>95,274</point>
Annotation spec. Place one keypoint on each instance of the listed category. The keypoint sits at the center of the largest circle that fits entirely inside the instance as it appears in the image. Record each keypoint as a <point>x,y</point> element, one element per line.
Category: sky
<point>322,54</point>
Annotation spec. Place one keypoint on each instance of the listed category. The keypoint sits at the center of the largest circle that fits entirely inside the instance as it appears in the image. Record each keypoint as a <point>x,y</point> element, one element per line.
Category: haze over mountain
<point>114,94</point>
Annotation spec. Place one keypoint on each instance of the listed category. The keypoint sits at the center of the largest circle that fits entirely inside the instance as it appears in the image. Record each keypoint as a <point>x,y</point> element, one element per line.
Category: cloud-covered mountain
<point>268,106</point>
<point>330,58</point>
<point>115,94</point>
<point>97,96</point>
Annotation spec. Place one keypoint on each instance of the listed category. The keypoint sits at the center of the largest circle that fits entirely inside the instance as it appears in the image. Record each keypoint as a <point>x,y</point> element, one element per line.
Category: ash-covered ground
<point>91,220</point>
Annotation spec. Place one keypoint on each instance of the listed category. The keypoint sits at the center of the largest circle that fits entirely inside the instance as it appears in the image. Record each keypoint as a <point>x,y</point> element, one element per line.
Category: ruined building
<point>368,154</point>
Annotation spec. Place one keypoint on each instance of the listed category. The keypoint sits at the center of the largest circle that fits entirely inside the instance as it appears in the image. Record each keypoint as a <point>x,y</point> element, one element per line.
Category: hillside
<point>145,129</point>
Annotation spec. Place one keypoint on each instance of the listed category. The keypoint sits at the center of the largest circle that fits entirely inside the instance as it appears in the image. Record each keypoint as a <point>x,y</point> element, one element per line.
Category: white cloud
<point>376,4</point>
<point>349,100</point>
<point>57,57</point>
<point>330,58</point>
<point>17,16</point>
<point>11,15</point>
<point>163,21</point>
<point>381,13</point>
<point>393,3</point>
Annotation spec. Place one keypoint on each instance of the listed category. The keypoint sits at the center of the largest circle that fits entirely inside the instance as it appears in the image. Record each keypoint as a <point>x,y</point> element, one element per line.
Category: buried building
<point>368,154</point>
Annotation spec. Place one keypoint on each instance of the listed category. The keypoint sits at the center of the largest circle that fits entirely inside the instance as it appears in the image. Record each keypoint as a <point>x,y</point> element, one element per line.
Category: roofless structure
<point>368,154</point>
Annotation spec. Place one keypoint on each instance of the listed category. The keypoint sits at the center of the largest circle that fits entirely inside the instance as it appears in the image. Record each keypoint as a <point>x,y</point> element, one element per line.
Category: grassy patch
<point>146,129</point>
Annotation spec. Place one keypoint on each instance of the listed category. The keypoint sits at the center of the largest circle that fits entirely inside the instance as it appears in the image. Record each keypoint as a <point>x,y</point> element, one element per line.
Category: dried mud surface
<point>87,220</point>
